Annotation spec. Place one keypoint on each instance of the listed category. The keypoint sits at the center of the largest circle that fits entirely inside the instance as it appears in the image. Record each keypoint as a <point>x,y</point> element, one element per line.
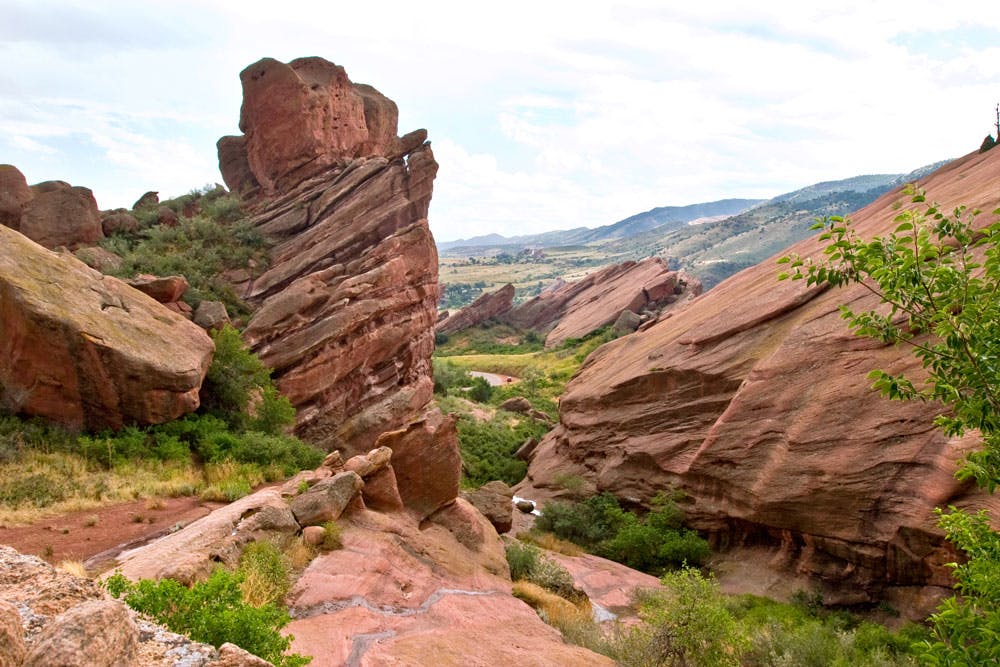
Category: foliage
<point>649,543</point>
<point>213,612</point>
<point>239,390</point>
<point>527,563</point>
<point>331,536</point>
<point>488,447</point>
<point>939,276</point>
<point>480,390</point>
<point>264,574</point>
<point>448,377</point>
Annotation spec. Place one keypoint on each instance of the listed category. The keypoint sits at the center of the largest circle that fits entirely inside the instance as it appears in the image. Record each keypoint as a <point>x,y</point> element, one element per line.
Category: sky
<point>542,115</point>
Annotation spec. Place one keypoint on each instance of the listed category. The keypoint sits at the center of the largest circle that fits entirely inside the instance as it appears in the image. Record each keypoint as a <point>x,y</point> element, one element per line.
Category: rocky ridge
<point>486,307</point>
<point>754,401</point>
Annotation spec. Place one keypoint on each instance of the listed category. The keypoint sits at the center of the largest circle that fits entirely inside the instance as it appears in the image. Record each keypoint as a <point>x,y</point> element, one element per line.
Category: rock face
<point>86,350</point>
<point>573,310</point>
<point>486,307</point>
<point>53,213</point>
<point>14,196</point>
<point>754,401</point>
<point>303,117</point>
<point>347,307</point>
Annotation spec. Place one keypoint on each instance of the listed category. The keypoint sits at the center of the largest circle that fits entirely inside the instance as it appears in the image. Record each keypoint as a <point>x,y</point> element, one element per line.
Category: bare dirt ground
<point>104,531</point>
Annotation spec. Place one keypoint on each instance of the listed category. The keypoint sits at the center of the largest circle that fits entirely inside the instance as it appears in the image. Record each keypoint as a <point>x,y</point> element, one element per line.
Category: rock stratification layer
<point>346,310</point>
<point>87,350</point>
<point>754,400</point>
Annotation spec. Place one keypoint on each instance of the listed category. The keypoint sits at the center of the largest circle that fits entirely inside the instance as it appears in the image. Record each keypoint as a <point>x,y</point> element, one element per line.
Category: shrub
<point>488,448</point>
<point>480,390</point>
<point>448,376</point>
<point>264,576</point>
<point>213,612</point>
<point>331,536</point>
<point>527,563</point>
<point>235,375</point>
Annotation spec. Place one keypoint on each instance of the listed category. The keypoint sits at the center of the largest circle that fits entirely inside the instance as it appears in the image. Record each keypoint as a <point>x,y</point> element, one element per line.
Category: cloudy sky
<point>543,114</point>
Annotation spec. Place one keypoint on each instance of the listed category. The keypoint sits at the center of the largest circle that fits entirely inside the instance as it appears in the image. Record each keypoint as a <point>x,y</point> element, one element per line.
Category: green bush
<point>488,448</point>
<point>480,390</point>
<point>213,612</point>
<point>649,543</point>
<point>448,377</point>
<point>527,563</point>
<point>264,575</point>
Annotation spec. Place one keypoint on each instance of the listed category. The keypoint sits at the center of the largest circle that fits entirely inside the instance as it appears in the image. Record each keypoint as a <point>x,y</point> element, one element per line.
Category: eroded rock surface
<point>572,310</point>
<point>86,350</point>
<point>14,196</point>
<point>486,307</point>
<point>754,400</point>
<point>59,214</point>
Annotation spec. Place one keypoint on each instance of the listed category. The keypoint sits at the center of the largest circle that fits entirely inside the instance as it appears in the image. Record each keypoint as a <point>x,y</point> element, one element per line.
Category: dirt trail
<point>82,535</point>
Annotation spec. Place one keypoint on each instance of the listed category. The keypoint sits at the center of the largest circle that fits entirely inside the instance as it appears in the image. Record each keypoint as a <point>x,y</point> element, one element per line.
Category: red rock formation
<point>573,310</point>
<point>306,116</point>
<point>14,196</point>
<point>754,400</point>
<point>59,214</point>
<point>86,350</point>
<point>486,307</point>
<point>347,307</point>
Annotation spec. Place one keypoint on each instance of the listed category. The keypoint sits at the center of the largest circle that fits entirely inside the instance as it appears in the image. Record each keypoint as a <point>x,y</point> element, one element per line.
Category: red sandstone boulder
<point>121,220</point>
<point>305,116</point>
<point>98,258</point>
<point>98,633</point>
<point>493,500</point>
<point>14,196</point>
<point>235,166</point>
<point>754,400</point>
<point>86,350</point>
<point>61,215</point>
<point>486,307</point>
<point>165,289</point>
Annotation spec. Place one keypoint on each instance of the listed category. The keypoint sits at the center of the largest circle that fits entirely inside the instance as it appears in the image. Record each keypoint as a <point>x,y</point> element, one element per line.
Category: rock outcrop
<point>754,400</point>
<point>486,307</point>
<point>86,350</point>
<point>346,310</point>
<point>52,214</point>
<point>572,310</point>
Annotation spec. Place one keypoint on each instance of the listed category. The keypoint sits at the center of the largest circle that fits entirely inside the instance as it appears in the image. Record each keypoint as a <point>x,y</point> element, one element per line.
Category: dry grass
<point>550,542</point>
<point>75,568</point>
<point>39,485</point>
<point>299,554</point>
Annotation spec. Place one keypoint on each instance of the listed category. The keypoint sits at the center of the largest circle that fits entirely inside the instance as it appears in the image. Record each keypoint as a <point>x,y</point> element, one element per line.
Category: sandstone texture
<point>59,214</point>
<point>345,312</point>
<point>486,307</point>
<point>50,617</point>
<point>14,196</point>
<point>493,500</point>
<point>86,350</point>
<point>754,401</point>
<point>572,310</point>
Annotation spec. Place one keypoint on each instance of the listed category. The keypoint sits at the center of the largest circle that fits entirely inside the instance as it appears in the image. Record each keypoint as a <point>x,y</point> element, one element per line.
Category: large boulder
<point>493,500</point>
<point>235,166</point>
<point>86,350</point>
<point>486,307</point>
<point>304,116</point>
<point>14,196</point>
<point>97,633</point>
<point>754,401</point>
<point>61,215</point>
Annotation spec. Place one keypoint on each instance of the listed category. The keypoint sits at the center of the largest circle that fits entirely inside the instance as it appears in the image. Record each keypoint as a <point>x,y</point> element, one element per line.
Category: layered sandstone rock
<point>754,401</point>
<point>86,350</point>
<point>60,214</point>
<point>486,307</point>
<point>346,309</point>
<point>572,310</point>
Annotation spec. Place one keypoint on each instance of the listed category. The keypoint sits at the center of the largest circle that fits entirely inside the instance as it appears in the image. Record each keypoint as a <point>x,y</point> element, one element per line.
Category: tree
<point>938,276</point>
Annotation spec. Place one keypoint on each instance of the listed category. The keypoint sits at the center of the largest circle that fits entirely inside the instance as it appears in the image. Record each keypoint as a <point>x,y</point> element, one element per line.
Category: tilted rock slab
<point>86,350</point>
<point>487,306</point>
<point>575,309</point>
<point>754,400</point>
<point>346,310</point>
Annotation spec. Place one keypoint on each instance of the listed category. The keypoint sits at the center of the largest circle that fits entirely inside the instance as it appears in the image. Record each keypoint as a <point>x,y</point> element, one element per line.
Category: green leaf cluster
<point>650,543</point>
<point>937,275</point>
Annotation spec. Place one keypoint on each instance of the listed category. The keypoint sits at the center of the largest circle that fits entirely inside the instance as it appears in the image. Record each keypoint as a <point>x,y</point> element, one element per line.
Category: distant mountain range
<point>664,216</point>
<point>748,232</point>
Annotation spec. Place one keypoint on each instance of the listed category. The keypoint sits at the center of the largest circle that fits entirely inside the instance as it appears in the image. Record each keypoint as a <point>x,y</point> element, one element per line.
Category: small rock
<point>211,315</point>
<point>167,217</point>
<point>119,221</point>
<point>327,499</point>
<point>98,258</point>
<point>313,535</point>
<point>627,322</point>
<point>231,655</point>
<point>167,289</point>
<point>98,633</point>
<point>525,506</point>
<point>333,460</point>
